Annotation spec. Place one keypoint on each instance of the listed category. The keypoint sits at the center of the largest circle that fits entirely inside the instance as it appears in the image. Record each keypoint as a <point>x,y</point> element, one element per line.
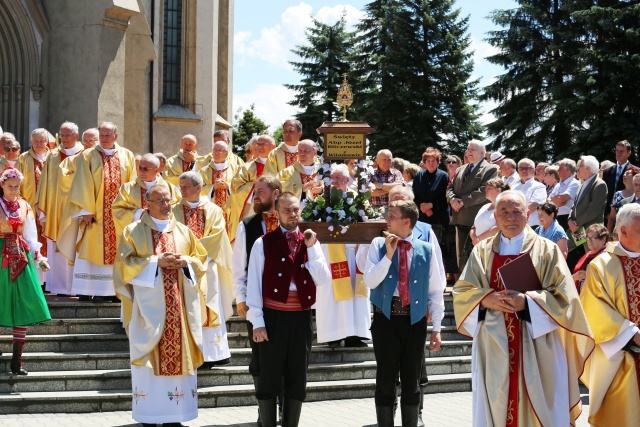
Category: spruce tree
<point>247,125</point>
<point>322,65</point>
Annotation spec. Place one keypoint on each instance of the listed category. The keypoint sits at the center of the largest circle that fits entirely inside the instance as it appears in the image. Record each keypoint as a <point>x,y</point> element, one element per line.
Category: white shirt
<point>569,187</point>
<point>71,151</point>
<point>376,269</point>
<point>620,170</point>
<point>484,219</point>
<point>41,157</point>
<point>239,263</point>
<point>109,151</point>
<point>290,149</point>
<point>317,266</point>
<point>535,192</point>
<point>220,166</point>
<point>511,180</point>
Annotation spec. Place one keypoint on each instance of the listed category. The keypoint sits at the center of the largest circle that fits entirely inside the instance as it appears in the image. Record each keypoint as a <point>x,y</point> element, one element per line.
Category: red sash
<point>111,178</point>
<point>194,219</point>
<point>512,323</point>
<point>290,158</point>
<point>37,172</point>
<point>631,271</point>
<point>170,344</point>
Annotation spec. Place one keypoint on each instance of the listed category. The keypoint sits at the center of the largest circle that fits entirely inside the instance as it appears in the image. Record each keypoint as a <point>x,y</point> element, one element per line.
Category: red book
<point>520,275</point>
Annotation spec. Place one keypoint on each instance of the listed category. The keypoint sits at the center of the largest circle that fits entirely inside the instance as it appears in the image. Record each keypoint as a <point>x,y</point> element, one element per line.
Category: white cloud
<point>273,44</point>
<point>270,102</point>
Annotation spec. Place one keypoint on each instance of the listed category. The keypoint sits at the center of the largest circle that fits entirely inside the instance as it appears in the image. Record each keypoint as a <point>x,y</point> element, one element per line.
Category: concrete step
<point>104,325</point>
<point>73,309</point>
<point>120,379</point>
<point>109,360</point>
<point>208,397</point>
<point>90,342</point>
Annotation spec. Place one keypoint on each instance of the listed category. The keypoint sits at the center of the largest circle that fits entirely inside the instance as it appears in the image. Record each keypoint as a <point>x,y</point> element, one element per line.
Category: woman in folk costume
<point>22,302</point>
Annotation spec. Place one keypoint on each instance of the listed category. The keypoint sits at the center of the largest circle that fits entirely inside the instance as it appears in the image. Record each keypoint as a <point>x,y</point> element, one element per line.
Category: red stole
<point>111,178</point>
<point>259,169</point>
<point>170,344</point>
<point>512,323</point>
<point>631,271</point>
<point>194,219</point>
<point>143,200</point>
<point>290,158</point>
<point>187,166</point>
<point>307,178</point>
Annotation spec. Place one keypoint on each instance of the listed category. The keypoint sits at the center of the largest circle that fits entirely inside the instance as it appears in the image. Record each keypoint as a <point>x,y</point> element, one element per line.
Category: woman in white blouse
<point>484,226</point>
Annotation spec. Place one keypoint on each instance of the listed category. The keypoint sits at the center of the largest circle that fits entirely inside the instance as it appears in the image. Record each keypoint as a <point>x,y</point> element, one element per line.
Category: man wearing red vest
<point>284,270</point>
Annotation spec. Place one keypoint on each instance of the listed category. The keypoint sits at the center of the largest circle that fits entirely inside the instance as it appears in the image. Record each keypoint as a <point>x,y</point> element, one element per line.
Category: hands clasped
<point>172,261</point>
<point>505,301</point>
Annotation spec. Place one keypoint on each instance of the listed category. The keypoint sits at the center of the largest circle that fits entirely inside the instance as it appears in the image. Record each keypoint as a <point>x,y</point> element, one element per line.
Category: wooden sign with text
<point>344,140</point>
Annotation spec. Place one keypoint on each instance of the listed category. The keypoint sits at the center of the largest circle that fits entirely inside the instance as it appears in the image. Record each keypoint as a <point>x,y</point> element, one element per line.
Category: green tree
<point>420,91</point>
<point>247,125</point>
<point>535,116</point>
<point>607,85</point>
<point>322,65</point>
<point>277,135</point>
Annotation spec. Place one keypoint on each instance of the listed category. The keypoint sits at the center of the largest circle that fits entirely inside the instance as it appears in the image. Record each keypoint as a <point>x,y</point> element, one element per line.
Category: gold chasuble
<point>96,184</point>
<point>31,167</point>
<point>232,160</point>
<point>221,196</point>
<point>163,322</point>
<point>130,199</point>
<point>610,296</point>
<point>294,178</point>
<point>241,190</point>
<point>206,221</point>
<point>176,166</point>
<point>538,365</point>
<point>280,159</point>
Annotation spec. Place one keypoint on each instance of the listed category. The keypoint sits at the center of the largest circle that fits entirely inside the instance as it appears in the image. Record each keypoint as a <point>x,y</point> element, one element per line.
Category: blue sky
<point>265,32</point>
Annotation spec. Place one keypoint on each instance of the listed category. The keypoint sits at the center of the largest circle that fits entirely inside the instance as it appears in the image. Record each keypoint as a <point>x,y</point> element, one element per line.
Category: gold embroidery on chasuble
<point>221,195</point>
<point>37,173</point>
<point>290,158</point>
<point>194,219</point>
<point>512,325</point>
<point>307,178</point>
<point>111,179</point>
<point>187,166</point>
<point>170,344</point>
<point>631,272</point>
<point>143,201</point>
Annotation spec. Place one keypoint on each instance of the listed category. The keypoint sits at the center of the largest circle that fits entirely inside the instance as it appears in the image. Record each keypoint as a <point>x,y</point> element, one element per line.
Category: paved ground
<point>442,410</point>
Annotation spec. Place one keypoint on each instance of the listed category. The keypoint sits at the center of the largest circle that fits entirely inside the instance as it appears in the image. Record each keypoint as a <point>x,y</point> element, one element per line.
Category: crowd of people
<point>178,240</point>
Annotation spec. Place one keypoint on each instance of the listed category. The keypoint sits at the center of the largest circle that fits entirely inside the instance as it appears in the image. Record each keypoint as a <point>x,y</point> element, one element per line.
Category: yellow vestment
<point>614,398</point>
<point>174,167</point>
<point>130,199</point>
<point>291,179</point>
<point>276,161</point>
<point>216,242</point>
<point>94,243</point>
<point>241,189</point>
<point>144,306</point>
<point>539,372</point>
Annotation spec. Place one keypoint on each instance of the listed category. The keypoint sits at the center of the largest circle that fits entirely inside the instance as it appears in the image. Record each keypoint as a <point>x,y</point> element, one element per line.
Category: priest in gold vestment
<point>31,163</point>
<point>87,235</point>
<point>301,178</point>
<point>610,296</point>
<point>217,176</point>
<point>158,276</point>
<point>232,159</point>
<point>528,348</point>
<point>206,221</point>
<point>51,199</point>
<point>287,153</point>
<point>244,180</point>
<point>182,162</point>
<point>130,204</point>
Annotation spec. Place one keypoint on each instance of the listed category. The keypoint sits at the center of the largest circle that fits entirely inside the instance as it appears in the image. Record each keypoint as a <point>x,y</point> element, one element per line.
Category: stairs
<point>79,362</point>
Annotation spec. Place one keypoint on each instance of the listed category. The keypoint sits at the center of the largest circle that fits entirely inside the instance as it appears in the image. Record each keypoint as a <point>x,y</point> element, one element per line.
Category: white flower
<point>326,167</point>
<point>344,194</point>
<point>363,174</point>
<point>327,180</point>
<point>365,218</point>
<point>341,214</point>
<point>315,212</point>
<point>362,213</point>
<point>331,228</point>
<point>350,200</point>
<point>362,164</point>
<point>329,209</point>
<point>329,219</point>
<point>345,228</point>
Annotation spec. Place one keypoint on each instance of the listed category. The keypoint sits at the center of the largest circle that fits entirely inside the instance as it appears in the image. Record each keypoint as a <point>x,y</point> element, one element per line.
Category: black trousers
<point>286,354</point>
<point>563,220</point>
<point>254,363</point>
<point>399,348</point>
<point>464,245</point>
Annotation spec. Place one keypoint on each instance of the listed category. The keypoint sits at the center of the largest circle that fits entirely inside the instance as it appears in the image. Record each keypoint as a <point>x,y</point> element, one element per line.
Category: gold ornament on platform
<point>345,97</point>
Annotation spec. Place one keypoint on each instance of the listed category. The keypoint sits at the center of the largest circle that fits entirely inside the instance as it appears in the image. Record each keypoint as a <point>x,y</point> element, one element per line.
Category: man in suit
<point>612,176</point>
<point>588,207</point>
<point>466,196</point>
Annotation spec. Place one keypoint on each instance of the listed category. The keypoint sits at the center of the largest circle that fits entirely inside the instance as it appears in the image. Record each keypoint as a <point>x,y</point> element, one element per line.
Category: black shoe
<point>172,425</point>
<point>219,363</point>
<point>354,342</point>
<point>291,413</point>
<point>16,360</point>
<point>409,415</point>
<point>99,300</point>
<point>117,300</point>
<point>334,344</point>
<point>148,425</point>
<point>84,298</point>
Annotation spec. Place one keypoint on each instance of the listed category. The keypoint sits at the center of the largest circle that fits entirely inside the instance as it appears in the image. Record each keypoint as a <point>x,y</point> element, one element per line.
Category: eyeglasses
<point>66,135</point>
<point>525,168</point>
<point>591,239</point>
<point>14,149</point>
<point>145,169</point>
<point>452,162</point>
<point>161,201</point>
